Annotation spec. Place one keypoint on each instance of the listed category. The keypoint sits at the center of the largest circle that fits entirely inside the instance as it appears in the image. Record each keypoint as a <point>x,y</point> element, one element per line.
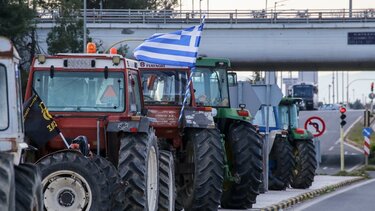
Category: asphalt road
<point>329,141</point>
<point>355,197</point>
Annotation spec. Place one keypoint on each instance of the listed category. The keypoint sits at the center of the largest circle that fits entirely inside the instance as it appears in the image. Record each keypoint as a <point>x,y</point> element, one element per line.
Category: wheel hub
<point>66,190</point>
<point>66,198</point>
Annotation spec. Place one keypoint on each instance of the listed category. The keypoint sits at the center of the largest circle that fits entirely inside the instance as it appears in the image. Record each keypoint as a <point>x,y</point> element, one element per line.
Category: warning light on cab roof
<point>91,47</point>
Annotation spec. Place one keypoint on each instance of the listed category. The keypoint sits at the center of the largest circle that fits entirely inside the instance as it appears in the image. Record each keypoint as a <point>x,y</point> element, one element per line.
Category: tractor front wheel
<point>244,150</point>
<point>304,170</point>
<point>138,169</point>
<point>167,193</point>
<point>7,190</point>
<point>28,187</point>
<point>281,164</point>
<point>73,182</point>
<point>200,177</point>
<point>117,195</point>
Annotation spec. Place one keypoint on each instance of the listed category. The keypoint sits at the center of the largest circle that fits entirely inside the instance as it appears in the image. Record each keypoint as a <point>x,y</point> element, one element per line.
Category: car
<point>329,107</point>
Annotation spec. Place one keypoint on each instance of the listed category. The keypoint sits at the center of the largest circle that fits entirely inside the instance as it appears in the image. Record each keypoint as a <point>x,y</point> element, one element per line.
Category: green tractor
<point>301,141</point>
<point>243,145</point>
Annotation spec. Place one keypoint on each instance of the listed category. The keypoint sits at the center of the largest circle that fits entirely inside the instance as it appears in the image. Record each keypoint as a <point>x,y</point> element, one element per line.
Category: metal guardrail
<point>132,16</point>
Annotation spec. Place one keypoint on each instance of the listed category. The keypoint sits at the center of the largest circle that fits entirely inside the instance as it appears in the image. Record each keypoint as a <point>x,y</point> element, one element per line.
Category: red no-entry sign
<point>315,125</point>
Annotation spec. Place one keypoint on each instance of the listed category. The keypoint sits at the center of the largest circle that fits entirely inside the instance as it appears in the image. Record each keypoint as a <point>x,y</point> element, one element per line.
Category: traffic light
<point>372,86</point>
<point>343,116</point>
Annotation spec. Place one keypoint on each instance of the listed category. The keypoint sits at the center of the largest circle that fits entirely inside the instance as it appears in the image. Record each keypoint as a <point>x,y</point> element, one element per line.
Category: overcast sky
<point>361,87</point>
<point>282,4</point>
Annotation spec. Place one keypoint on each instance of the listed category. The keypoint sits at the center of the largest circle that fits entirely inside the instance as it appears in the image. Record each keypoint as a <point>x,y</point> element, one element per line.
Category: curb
<point>311,194</point>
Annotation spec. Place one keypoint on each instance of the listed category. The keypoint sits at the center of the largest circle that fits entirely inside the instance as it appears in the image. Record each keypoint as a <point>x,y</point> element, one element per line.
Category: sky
<point>361,87</point>
<point>282,4</point>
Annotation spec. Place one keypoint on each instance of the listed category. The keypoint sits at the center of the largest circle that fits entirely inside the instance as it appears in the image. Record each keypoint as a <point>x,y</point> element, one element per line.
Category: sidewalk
<point>277,200</point>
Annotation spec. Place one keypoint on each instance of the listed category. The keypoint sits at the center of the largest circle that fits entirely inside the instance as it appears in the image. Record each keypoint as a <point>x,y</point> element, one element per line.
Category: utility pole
<point>342,90</point>
<point>333,87</point>
<point>337,86</point>
<point>84,25</point>
<point>329,93</point>
<point>350,8</point>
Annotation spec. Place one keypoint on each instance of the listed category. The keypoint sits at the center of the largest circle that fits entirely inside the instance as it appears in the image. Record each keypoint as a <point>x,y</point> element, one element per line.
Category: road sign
<point>290,81</point>
<point>366,144</point>
<point>315,125</point>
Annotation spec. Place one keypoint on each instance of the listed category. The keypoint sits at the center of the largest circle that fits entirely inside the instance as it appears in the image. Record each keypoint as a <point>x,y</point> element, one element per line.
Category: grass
<point>359,173</point>
<point>355,137</point>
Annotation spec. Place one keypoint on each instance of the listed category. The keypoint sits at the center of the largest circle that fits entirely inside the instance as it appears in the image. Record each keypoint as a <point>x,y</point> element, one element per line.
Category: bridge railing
<point>132,16</point>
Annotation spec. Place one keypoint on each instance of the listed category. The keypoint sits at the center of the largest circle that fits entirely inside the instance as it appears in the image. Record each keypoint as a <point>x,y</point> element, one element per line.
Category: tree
<point>356,105</point>
<point>67,35</point>
<point>15,19</point>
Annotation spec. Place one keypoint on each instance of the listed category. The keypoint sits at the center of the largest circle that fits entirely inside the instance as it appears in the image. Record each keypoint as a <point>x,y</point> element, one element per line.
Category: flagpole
<point>65,142</point>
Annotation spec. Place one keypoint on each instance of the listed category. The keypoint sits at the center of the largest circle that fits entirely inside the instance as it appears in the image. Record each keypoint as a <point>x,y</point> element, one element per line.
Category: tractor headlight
<point>214,112</point>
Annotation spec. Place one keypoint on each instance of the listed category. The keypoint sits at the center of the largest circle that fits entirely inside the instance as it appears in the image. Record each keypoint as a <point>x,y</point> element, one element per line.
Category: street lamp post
<point>84,25</point>
<point>329,93</point>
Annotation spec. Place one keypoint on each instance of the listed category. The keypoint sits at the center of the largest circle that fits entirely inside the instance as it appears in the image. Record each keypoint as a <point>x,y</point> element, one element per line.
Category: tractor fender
<point>141,126</point>
<point>306,135</point>
<point>197,119</point>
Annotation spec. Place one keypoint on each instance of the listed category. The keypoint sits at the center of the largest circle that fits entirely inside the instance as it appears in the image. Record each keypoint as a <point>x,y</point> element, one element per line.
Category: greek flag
<point>178,48</point>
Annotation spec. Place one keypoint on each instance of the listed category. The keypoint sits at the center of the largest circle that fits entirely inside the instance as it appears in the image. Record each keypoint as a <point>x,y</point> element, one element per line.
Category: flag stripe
<point>164,61</point>
<point>167,51</point>
<point>168,46</point>
<point>179,48</point>
<point>163,57</point>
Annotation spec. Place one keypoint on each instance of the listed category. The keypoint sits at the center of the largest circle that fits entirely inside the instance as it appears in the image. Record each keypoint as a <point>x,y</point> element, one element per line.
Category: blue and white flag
<point>178,48</point>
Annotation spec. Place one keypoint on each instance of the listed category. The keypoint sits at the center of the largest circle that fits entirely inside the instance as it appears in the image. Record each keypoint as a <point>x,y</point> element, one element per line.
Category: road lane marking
<point>324,168</point>
<point>354,167</point>
<point>353,147</point>
<point>331,148</point>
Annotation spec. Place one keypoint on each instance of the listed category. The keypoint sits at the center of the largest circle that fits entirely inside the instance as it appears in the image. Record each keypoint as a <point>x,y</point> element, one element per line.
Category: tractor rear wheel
<point>7,190</point>
<point>117,195</point>
<point>138,169</point>
<point>167,193</point>
<point>304,170</point>
<point>28,188</point>
<point>282,164</point>
<point>73,182</point>
<point>244,150</point>
<point>201,179</point>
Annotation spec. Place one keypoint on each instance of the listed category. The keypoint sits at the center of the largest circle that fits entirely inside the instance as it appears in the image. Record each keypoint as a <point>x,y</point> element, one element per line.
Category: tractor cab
<point>288,118</point>
<point>211,84</point>
<point>87,94</point>
<point>288,111</point>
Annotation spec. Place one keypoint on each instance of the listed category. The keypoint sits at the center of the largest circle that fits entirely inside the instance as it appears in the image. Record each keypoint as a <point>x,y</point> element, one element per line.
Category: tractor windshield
<point>165,87</point>
<point>211,87</point>
<point>81,91</point>
<point>261,118</point>
<point>3,99</point>
<point>284,116</point>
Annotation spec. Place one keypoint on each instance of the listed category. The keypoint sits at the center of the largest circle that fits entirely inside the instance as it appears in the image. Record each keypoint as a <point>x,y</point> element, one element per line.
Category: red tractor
<point>191,138</point>
<point>97,104</point>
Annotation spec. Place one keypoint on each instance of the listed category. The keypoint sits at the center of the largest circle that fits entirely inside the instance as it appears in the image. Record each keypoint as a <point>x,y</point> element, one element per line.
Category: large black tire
<point>200,187</point>
<point>282,157</point>
<point>72,181</point>
<point>244,150</point>
<point>304,171</point>
<point>7,190</point>
<point>167,194</point>
<point>117,194</point>
<point>28,188</point>
<point>138,169</point>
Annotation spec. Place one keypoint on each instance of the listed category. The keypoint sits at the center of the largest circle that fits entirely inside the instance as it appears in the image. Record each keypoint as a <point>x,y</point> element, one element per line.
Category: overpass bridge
<point>261,40</point>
